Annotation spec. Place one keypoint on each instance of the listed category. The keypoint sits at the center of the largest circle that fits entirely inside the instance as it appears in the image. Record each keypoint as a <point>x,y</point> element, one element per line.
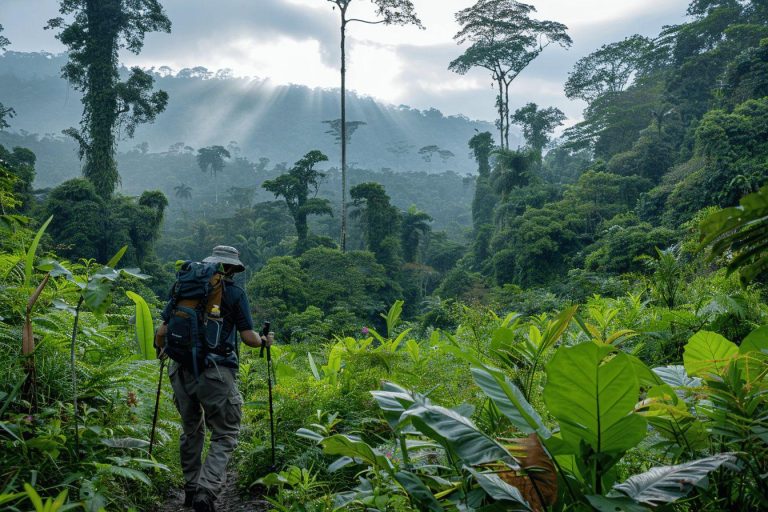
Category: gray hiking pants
<point>211,401</point>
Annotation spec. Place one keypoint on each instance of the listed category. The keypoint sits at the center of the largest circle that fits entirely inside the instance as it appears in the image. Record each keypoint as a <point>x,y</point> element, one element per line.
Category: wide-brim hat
<point>226,255</point>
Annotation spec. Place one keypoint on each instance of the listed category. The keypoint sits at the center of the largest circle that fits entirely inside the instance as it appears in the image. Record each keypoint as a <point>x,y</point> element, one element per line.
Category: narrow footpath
<point>231,499</point>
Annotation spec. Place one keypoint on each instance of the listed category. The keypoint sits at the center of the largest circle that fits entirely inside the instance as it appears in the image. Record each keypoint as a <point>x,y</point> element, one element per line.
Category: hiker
<point>212,396</point>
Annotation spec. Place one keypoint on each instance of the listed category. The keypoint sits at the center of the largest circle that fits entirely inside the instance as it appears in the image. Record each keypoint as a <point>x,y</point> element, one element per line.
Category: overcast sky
<point>296,41</point>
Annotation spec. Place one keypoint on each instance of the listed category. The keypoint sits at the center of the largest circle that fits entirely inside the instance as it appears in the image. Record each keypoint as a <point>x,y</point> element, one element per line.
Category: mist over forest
<point>266,120</point>
<point>539,312</point>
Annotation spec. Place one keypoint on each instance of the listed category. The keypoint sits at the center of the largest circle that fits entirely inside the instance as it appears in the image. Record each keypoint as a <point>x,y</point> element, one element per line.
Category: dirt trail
<point>230,500</point>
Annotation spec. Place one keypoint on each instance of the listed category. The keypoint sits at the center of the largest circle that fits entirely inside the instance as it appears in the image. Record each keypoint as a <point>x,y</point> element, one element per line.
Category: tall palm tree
<point>183,191</point>
<point>414,230</point>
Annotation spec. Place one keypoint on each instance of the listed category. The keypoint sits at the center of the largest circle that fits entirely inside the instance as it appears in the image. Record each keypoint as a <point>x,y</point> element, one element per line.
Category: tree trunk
<point>343,241</point>
<point>506,112</point>
<point>100,99</point>
<point>302,231</point>
<point>499,81</point>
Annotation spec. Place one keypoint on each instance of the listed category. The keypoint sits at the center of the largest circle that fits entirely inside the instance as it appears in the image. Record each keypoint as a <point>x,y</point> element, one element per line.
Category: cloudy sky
<point>296,41</point>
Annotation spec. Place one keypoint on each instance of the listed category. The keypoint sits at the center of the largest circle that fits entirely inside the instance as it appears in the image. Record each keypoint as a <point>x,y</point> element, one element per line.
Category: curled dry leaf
<point>537,481</point>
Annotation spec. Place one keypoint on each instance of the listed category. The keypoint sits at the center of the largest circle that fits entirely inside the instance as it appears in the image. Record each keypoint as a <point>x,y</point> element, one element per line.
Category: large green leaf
<point>96,295</point>
<point>592,390</point>
<point>756,341</point>
<point>510,401</point>
<point>457,434</point>
<point>340,444</point>
<point>145,330</point>
<point>29,263</point>
<point>666,484</point>
<point>393,401</point>
<point>707,353</point>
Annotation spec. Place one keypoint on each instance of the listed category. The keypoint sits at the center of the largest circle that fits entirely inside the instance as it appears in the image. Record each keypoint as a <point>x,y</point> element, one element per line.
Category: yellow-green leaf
<point>707,353</point>
<point>144,326</point>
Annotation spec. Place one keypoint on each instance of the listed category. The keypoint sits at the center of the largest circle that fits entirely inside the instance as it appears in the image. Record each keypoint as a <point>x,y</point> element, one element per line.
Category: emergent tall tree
<point>211,159</point>
<point>504,40</point>
<point>99,29</point>
<point>295,187</point>
<point>388,12</point>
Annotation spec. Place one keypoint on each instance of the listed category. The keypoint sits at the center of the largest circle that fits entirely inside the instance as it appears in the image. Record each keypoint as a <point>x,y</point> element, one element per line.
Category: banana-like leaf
<point>145,329</point>
<point>500,490</point>
<point>592,390</point>
<point>313,366</point>
<point>510,401</point>
<point>393,317</point>
<point>393,401</point>
<point>339,444</point>
<point>418,492</point>
<point>458,435</point>
<point>29,263</point>
<point>666,484</point>
<point>707,353</point>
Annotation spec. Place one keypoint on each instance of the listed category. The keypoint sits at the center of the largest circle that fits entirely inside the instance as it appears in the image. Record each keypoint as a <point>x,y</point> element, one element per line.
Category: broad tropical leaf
<point>339,444</point>
<point>510,401</point>
<point>458,435</point>
<point>500,490</point>
<point>666,484</point>
<point>393,401</point>
<point>756,341</point>
<point>708,352</point>
<point>592,390</point>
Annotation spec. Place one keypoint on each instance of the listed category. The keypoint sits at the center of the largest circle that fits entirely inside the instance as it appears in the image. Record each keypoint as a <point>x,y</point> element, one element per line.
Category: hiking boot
<point>203,501</point>
<point>189,495</point>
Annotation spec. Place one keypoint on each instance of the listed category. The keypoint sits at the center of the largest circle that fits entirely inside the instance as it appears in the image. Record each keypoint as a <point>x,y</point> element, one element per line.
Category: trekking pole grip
<point>264,334</point>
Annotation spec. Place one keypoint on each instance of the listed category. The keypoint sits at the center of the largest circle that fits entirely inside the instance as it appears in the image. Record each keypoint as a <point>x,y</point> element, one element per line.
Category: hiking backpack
<point>195,324</point>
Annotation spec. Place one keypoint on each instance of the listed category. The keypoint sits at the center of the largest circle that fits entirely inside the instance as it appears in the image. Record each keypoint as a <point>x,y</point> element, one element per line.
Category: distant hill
<point>276,122</point>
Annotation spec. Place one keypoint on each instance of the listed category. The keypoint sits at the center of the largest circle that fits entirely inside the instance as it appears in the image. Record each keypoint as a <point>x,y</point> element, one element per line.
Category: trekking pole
<point>265,332</point>
<point>157,403</point>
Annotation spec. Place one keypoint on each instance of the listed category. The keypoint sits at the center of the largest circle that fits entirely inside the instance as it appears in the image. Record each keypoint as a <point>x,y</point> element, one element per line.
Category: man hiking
<point>207,394</point>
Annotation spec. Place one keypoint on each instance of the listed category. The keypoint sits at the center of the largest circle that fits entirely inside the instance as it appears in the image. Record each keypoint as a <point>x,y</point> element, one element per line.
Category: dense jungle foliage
<point>581,324</point>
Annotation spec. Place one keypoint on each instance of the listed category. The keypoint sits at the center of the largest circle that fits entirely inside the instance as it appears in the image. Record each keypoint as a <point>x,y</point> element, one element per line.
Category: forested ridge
<point>267,120</point>
<point>578,323</point>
